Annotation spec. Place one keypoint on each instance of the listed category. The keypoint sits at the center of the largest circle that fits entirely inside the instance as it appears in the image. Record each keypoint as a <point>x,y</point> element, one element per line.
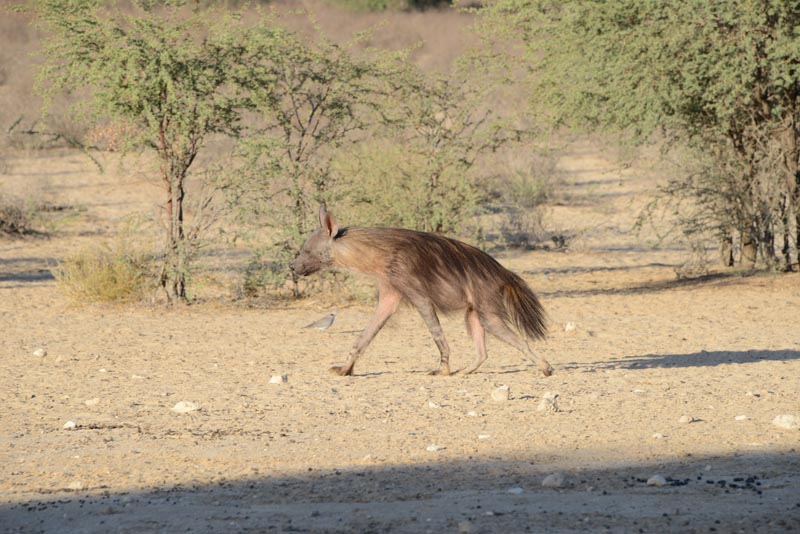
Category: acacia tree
<point>720,77</point>
<point>312,97</point>
<point>164,70</point>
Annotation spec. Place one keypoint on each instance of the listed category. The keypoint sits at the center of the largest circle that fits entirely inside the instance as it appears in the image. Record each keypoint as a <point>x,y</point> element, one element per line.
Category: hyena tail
<point>523,309</point>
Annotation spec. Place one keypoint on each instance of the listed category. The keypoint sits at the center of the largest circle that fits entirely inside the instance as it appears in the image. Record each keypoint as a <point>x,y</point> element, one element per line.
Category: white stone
<point>657,480</point>
<point>433,448</point>
<point>686,419</point>
<point>472,413</point>
<point>279,379</point>
<point>500,393</point>
<point>40,353</point>
<point>185,407</point>
<point>515,491</point>
<point>484,436</point>
<point>92,402</point>
<point>740,418</point>
<point>789,422</point>
<point>76,485</point>
<point>570,327</point>
<point>432,404</point>
<point>70,425</point>
<point>553,480</point>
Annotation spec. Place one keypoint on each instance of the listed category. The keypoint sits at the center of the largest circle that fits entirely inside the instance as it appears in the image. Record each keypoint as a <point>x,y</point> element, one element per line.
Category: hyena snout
<point>303,266</point>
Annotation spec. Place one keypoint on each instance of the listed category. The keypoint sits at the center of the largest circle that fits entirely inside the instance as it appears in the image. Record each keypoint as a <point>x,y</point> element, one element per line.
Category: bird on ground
<point>324,323</point>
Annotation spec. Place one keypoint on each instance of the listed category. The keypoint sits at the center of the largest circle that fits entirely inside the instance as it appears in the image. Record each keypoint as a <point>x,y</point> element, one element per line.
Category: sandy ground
<point>393,449</point>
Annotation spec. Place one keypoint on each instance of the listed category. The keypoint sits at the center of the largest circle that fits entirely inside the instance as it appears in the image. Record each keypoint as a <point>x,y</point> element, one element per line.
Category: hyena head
<point>317,251</point>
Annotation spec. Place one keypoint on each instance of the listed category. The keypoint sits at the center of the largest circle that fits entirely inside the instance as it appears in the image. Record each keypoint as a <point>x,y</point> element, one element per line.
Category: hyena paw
<point>441,371</point>
<point>341,370</point>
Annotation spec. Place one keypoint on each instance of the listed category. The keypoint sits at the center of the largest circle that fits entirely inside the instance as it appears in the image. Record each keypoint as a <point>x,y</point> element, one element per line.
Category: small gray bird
<point>324,323</point>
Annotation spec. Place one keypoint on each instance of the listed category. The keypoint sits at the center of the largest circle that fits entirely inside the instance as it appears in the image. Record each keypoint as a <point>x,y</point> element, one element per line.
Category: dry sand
<point>393,449</point>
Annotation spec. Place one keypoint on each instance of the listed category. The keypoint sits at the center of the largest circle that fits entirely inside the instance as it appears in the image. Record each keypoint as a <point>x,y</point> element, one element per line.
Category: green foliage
<point>720,77</point>
<point>418,170</point>
<point>316,98</point>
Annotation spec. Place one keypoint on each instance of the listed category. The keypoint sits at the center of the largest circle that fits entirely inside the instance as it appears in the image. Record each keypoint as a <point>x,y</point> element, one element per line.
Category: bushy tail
<point>523,308</point>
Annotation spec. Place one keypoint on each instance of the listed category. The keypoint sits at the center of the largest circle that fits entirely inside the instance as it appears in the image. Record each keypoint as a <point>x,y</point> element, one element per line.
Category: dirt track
<point>329,454</point>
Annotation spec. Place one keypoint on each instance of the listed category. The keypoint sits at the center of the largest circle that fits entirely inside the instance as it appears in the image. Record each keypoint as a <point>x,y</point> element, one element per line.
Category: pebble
<point>279,379</point>
<point>472,413</point>
<point>657,480</point>
<point>789,422</point>
<point>76,485</point>
<point>432,404</point>
<point>92,402</point>
<point>185,407</point>
<point>500,393</point>
<point>740,418</point>
<point>434,448</point>
<point>570,327</point>
<point>40,353</point>
<point>658,435</point>
<point>553,480</point>
<point>70,425</point>
<point>684,419</point>
<point>484,436</point>
<point>515,491</point>
<point>549,402</point>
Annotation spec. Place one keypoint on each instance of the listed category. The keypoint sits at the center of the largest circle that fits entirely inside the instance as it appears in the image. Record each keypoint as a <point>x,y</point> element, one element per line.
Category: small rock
<point>279,379</point>
<point>40,353</point>
<point>789,422</point>
<point>70,425</point>
<point>554,480</point>
<point>515,491</point>
<point>549,402</point>
<point>103,371</point>
<point>740,418</point>
<point>76,485</point>
<point>684,419</point>
<point>472,413</point>
<point>657,480</point>
<point>92,402</point>
<point>658,435</point>
<point>432,404</point>
<point>570,327</point>
<point>500,393</point>
<point>484,436</point>
<point>434,448</point>
<point>185,407</point>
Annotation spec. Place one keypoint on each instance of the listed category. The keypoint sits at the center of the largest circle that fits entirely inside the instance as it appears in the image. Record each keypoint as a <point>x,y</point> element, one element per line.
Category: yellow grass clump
<point>106,274</point>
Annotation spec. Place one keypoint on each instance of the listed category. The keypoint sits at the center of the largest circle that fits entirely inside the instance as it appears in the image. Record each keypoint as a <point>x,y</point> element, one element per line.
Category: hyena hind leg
<point>498,328</point>
<point>478,334</point>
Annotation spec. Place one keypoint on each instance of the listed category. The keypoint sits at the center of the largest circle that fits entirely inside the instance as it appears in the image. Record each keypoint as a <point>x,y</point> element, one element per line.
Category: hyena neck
<point>363,250</point>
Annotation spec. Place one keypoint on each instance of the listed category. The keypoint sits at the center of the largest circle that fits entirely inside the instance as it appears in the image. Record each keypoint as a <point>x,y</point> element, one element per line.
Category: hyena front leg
<point>428,313</point>
<point>388,302</point>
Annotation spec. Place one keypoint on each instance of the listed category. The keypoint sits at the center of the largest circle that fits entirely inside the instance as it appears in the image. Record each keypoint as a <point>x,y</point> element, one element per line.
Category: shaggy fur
<point>435,274</point>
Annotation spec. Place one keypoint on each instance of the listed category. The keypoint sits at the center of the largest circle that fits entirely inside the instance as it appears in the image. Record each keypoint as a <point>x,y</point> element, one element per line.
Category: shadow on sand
<point>698,359</point>
<point>750,493</point>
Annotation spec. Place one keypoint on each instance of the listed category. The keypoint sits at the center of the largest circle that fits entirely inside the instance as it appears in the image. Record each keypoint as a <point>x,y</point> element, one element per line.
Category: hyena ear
<point>327,222</point>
